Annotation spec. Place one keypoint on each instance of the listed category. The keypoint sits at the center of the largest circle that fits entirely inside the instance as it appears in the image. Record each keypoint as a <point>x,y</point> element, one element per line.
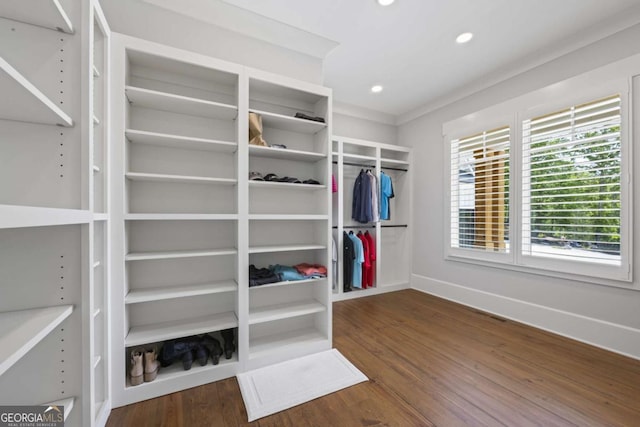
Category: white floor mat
<point>282,386</point>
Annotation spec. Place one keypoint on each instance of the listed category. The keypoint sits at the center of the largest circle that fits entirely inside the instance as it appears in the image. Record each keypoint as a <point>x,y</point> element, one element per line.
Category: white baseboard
<point>609,336</point>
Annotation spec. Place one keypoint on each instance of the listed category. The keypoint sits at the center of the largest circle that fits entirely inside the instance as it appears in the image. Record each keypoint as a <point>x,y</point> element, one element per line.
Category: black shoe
<point>202,354</point>
<point>229,345</point>
<point>214,347</point>
<point>187,360</point>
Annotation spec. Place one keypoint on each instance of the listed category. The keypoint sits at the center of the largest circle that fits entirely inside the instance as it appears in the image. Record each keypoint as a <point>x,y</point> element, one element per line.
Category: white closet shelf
<point>96,361</point>
<point>28,103</point>
<point>286,185</point>
<point>21,331</point>
<point>96,120</point>
<point>96,73</point>
<point>158,177</point>
<point>96,312</point>
<point>262,346</point>
<point>175,371</point>
<point>172,217</point>
<point>359,157</point>
<point>44,13</point>
<point>100,217</point>
<point>157,294</point>
<point>66,403</point>
<point>287,217</point>
<point>27,216</point>
<point>178,141</point>
<point>164,101</point>
<point>285,153</point>
<point>141,256</point>
<point>289,123</point>
<point>287,283</point>
<point>284,311</point>
<point>284,248</point>
<point>393,162</point>
<point>139,335</point>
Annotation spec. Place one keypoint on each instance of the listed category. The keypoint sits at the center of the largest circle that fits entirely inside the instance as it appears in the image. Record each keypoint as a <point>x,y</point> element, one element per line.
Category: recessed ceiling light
<point>385,2</point>
<point>464,37</point>
<point>376,89</point>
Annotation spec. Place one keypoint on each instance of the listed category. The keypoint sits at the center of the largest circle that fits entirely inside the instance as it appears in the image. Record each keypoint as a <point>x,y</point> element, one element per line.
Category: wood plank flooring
<point>432,362</point>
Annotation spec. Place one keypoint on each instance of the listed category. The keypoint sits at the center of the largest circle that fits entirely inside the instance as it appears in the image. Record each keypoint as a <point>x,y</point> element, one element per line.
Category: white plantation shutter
<point>480,191</point>
<point>571,183</point>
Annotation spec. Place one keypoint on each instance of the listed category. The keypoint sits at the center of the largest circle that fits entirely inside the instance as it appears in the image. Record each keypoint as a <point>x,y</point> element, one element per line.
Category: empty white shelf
<point>360,157</point>
<point>158,177</point>
<point>285,153</point>
<point>286,185</point>
<point>394,163</point>
<point>20,331</point>
<point>171,217</point>
<point>284,311</point>
<point>178,141</point>
<point>164,101</point>
<point>100,217</point>
<point>141,256</point>
<point>165,331</point>
<point>27,216</point>
<point>287,283</point>
<point>261,346</point>
<point>66,403</point>
<point>292,124</point>
<point>288,217</point>
<point>157,294</point>
<point>27,102</point>
<point>284,248</point>
<point>43,13</point>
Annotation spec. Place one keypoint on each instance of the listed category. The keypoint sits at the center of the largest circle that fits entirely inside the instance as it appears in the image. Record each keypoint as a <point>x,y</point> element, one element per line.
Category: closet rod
<point>373,226</point>
<point>371,166</point>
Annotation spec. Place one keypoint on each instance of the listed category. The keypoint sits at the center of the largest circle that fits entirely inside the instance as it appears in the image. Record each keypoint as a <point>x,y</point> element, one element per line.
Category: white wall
<point>606,316</point>
<point>138,19</point>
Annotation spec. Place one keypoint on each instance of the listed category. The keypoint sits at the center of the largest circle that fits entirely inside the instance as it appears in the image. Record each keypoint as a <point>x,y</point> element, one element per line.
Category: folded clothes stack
<point>284,273</point>
<point>257,176</point>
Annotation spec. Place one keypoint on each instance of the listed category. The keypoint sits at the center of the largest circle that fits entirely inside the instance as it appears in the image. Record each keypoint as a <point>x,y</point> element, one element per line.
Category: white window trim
<point>615,78</point>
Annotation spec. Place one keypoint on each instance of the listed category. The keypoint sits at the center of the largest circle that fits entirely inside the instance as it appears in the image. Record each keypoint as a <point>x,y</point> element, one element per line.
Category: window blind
<point>571,183</point>
<point>480,191</point>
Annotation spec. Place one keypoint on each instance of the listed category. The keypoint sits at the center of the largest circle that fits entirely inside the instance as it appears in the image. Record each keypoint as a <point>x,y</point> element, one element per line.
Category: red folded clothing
<point>311,269</point>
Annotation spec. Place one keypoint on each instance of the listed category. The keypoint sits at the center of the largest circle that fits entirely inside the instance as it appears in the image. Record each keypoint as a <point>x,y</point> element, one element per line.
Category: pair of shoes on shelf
<point>144,367</point>
<point>185,350</point>
<point>216,350</point>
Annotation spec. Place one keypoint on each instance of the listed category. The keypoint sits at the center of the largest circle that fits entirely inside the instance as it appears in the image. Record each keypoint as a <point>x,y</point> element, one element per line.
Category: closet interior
<point>386,266</point>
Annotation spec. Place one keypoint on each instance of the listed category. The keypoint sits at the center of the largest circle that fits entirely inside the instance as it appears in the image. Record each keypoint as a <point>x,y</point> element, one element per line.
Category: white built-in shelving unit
<point>392,237</point>
<point>47,209</point>
<point>191,222</point>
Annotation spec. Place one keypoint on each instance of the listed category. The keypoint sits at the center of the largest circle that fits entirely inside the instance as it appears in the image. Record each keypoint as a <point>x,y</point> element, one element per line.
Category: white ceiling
<point>409,47</point>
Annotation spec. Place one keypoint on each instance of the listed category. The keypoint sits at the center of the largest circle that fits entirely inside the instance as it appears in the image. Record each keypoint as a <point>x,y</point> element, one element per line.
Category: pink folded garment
<point>311,269</point>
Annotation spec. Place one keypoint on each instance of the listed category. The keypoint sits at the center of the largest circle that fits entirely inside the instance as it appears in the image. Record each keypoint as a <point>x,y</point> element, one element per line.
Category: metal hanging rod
<point>371,166</point>
<point>373,226</point>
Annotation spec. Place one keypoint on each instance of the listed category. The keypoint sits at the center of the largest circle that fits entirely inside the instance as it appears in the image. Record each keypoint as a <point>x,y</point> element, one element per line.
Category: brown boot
<point>137,368</point>
<point>151,365</point>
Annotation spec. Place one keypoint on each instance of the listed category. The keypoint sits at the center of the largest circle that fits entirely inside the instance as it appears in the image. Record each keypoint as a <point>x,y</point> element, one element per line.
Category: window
<point>571,165</point>
<point>480,191</point>
<point>546,188</point>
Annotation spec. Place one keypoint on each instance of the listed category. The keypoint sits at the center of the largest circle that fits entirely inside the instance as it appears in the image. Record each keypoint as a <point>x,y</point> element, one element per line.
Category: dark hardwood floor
<point>432,362</point>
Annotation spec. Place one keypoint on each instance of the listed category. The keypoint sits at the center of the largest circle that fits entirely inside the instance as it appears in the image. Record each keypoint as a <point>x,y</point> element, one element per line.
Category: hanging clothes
<point>348,256</point>
<point>372,259</point>
<point>334,185</point>
<point>358,259</point>
<point>375,208</point>
<point>361,207</point>
<point>386,193</point>
<point>366,264</point>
